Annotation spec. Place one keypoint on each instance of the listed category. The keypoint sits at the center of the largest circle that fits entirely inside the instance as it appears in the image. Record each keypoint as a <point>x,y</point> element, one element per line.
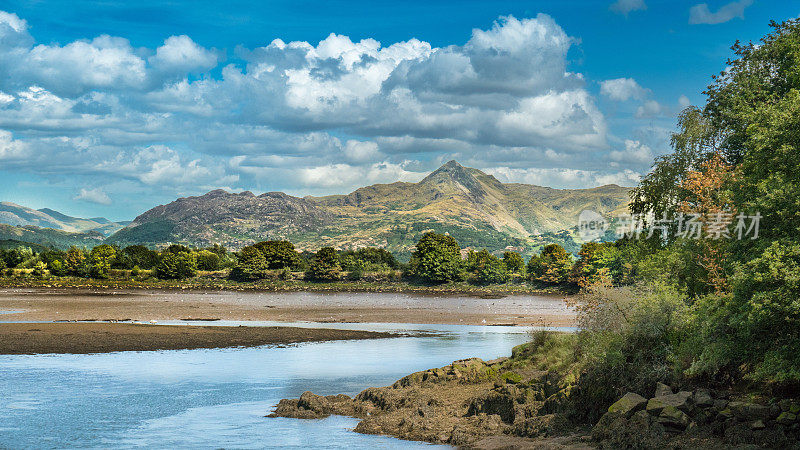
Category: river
<point>218,398</point>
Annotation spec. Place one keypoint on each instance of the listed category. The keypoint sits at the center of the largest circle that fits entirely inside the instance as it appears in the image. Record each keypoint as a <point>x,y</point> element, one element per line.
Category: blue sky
<point>109,109</point>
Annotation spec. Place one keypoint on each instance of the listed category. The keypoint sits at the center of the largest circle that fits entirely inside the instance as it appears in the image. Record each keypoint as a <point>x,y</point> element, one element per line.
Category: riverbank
<point>106,304</point>
<point>79,338</point>
<point>521,402</point>
<point>214,281</point>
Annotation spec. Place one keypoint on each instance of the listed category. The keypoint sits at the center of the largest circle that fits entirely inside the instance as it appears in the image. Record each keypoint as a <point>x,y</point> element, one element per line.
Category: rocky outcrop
<point>697,419</point>
<point>459,404</point>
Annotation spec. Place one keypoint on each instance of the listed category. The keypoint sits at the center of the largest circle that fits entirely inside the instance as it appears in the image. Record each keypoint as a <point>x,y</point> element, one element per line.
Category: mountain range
<point>472,206</point>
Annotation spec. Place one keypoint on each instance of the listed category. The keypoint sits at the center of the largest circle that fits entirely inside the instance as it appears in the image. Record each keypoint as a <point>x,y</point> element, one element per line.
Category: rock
<point>499,360</point>
<point>547,425</point>
<point>681,400</point>
<point>494,402</point>
<point>749,411</point>
<point>758,425</point>
<point>662,390</point>
<point>702,398</point>
<point>786,418</point>
<point>382,398</point>
<point>673,417</point>
<point>720,404</point>
<point>628,404</point>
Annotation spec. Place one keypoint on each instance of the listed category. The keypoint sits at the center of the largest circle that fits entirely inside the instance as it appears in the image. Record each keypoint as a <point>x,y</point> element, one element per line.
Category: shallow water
<point>217,398</point>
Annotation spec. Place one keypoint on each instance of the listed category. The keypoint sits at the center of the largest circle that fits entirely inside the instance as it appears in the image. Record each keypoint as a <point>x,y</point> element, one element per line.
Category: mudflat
<point>161,305</point>
<point>35,338</point>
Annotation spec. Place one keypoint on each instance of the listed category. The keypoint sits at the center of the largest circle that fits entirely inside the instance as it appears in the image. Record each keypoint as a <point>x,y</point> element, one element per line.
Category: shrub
<point>488,268</point>
<point>279,254</point>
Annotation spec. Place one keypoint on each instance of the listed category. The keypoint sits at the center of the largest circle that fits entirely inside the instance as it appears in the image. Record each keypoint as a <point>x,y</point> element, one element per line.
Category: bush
<point>487,267</point>
<point>39,270</point>
<point>279,254</point>
<point>628,342</point>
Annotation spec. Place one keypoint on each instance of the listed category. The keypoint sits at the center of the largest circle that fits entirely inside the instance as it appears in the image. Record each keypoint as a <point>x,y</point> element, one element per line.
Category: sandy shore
<point>146,305</point>
<point>30,338</point>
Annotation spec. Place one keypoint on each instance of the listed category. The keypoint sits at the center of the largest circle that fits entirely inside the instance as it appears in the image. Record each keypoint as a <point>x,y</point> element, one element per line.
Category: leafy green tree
<point>437,258</point>
<point>551,266</point>
<point>177,248</point>
<point>101,258</point>
<point>39,270</point>
<point>176,266</point>
<point>325,265</point>
<point>207,260</point>
<point>141,256</point>
<point>489,268</point>
<point>514,262</point>
<point>279,254</point>
<point>251,265</point>
<point>76,262</point>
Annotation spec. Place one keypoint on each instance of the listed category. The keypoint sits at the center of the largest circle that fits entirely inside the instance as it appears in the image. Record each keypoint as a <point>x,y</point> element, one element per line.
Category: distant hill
<point>20,216</point>
<point>49,237</point>
<point>472,206</point>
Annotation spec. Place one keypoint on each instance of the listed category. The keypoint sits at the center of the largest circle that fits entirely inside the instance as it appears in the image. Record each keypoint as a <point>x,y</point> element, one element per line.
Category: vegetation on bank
<point>717,311</point>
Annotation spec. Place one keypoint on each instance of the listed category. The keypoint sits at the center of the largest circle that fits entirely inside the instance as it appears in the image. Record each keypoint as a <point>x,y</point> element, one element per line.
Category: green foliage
<point>76,262</point>
<point>141,256</point>
<point>437,258</point>
<point>176,266</point>
<point>627,341</point>
<point>486,267</point>
<point>368,259</point>
<point>207,260</point>
<point>551,266</point>
<point>57,267</point>
<point>39,270</point>
<point>325,265</point>
<point>251,265</point>
<point>514,262</point>
<point>101,259</point>
<point>279,254</point>
<point>177,248</point>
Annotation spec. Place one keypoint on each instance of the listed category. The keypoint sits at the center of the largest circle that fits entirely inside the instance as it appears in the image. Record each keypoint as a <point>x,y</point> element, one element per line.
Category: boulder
<point>702,398</point>
<point>662,390</point>
<point>682,400</point>
<point>673,417</point>
<point>758,425</point>
<point>749,411</point>
<point>628,404</point>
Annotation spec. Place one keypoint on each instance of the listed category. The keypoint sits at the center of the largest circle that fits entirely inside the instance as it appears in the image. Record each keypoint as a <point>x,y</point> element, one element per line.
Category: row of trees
<point>436,259</point>
<point>174,262</point>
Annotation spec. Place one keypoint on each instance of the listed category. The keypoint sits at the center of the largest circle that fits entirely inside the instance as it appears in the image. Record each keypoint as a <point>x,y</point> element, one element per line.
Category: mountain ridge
<point>475,207</point>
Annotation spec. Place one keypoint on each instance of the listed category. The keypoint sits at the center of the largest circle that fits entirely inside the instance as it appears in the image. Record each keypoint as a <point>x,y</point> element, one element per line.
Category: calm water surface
<point>217,398</point>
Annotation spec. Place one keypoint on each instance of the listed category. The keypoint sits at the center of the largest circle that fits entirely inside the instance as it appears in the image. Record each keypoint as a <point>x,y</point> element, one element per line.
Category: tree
<point>325,265</point>
<point>279,254</point>
<point>489,268</point>
<point>514,262</point>
<point>437,258</point>
<point>551,266</point>
<point>141,256</point>
<point>207,260</point>
<point>251,265</point>
<point>176,266</point>
<point>101,258</point>
<point>76,262</point>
